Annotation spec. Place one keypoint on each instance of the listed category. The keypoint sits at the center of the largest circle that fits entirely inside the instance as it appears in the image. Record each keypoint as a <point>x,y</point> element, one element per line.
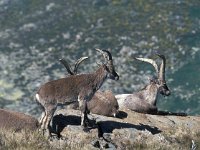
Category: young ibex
<point>145,100</point>
<point>102,103</point>
<point>72,88</point>
<point>17,121</point>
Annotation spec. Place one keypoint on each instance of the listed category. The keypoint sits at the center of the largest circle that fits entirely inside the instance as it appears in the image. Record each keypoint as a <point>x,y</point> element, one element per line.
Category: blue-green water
<point>34,34</point>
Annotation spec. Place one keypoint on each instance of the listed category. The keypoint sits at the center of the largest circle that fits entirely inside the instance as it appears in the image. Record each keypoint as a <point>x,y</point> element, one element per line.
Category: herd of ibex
<point>81,91</point>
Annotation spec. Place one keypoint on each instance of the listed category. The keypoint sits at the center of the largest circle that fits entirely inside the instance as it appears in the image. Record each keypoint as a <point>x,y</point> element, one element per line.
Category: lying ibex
<point>144,101</point>
<point>17,121</point>
<point>72,88</point>
<point>102,103</point>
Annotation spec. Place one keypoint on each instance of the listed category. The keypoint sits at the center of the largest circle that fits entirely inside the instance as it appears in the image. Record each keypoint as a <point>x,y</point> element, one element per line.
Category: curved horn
<point>67,66</point>
<point>161,75</point>
<point>78,63</point>
<point>151,61</point>
<point>106,54</point>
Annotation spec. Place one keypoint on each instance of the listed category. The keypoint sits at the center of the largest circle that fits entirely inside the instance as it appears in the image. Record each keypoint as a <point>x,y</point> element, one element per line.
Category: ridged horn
<point>151,61</point>
<point>78,63</point>
<point>161,75</point>
<point>67,66</point>
<point>106,54</point>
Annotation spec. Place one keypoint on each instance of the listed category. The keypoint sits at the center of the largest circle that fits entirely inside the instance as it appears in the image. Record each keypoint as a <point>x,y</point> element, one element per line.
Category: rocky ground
<point>130,131</point>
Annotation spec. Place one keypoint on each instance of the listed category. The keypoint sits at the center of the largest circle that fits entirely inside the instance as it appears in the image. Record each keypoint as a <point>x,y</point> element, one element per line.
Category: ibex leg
<point>49,111</point>
<point>84,117</point>
<point>42,118</point>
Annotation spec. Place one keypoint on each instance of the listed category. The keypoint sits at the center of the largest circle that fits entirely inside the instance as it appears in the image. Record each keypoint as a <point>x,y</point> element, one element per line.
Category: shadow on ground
<point>122,114</point>
<point>109,126</point>
<point>60,121</point>
<point>168,113</point>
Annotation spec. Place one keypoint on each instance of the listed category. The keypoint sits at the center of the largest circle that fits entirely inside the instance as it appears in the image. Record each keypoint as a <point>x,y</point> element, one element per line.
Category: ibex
<point>102,103</point>
<point>17,121</point>
<point>144,101</point>
<point>80,87</point>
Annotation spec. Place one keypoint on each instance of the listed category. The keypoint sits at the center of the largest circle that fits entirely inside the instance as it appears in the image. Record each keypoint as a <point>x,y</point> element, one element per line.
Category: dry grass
<point>176,138</point>
<point>32,140</point>
<point>180,139</point>
<point>24,140</point>
<point>28,140</point>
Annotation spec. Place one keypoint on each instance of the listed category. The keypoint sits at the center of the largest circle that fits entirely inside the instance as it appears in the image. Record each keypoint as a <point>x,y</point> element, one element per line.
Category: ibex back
<point>77,87</point>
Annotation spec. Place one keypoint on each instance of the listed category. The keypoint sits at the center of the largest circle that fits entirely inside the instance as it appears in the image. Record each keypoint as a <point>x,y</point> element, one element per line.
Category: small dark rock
<point>107,137</point>
<point>96,144</point>
<point>109,146</point>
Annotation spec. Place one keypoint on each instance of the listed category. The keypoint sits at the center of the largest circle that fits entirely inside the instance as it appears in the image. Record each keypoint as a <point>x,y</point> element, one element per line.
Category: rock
<point>139,131</point>
<point>96,144</point>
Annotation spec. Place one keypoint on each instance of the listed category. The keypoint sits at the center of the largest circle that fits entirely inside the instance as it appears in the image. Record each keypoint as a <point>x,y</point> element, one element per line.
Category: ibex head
<point>160,79</point>
<point>109,64</point>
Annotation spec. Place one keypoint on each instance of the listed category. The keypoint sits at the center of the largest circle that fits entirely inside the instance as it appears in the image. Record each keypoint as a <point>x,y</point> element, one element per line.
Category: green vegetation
<point>35,34</point>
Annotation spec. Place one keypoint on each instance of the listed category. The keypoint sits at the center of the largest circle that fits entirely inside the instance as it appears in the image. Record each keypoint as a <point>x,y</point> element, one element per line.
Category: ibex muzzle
<point>164,90</point>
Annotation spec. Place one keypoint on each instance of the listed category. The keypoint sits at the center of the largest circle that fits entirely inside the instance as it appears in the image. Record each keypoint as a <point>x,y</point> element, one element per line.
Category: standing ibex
<point>144,101</point>
<point>17,121</point>
<point>102,103</point>
<point>72,88</point>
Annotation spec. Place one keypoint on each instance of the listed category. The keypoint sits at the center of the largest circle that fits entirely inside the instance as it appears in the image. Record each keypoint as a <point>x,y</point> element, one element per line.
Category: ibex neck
<point>151,93</point>
<point>100,77</point>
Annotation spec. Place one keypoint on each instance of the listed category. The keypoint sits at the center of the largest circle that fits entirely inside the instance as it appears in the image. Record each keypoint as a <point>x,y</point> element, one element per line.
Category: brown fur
<point>17,121</point>
<point>143,101</point>
<point>103,103</point>
<point>68,89</point>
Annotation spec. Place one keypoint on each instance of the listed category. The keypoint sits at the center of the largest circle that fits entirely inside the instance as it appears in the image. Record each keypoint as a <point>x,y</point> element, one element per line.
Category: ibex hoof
<point>46,133</point>
<point>86,123</point>
<point>42,131</point>
<point>56,137</point>
<point>86,129</point>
